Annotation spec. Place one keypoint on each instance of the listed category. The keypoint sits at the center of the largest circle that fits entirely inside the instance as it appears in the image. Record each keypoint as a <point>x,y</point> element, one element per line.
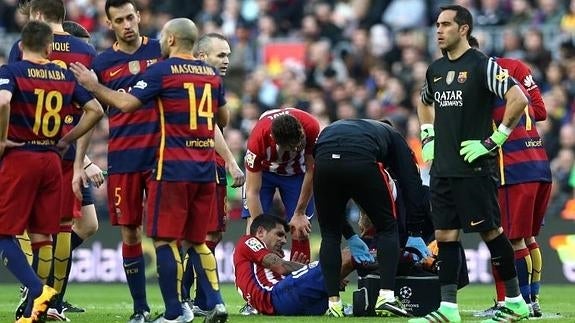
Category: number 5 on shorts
<point>117,196</point>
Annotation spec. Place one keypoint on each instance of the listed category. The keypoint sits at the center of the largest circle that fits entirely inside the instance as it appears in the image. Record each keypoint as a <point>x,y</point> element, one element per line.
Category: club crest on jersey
<point>254,244</point>
<point>134,67</point>
<point>462,77</point>
<point>450,77</point>
<point>68,119</point>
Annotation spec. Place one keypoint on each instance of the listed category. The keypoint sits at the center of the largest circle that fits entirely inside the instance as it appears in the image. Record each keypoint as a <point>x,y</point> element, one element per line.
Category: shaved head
<point>184,30</point>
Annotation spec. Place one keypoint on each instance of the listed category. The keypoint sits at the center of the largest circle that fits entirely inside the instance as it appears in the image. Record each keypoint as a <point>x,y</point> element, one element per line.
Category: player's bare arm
<point>88,79</point>
<point>280,266</point>
<point>223,150</point>
<point>93,112</point>
<point>301,227</point>
<point>516,102</point>
<point>253,187</point>
<point>425,113</point>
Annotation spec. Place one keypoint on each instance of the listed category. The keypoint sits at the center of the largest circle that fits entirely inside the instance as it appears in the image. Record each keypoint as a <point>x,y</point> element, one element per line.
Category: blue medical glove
<point>419,244</point>
<point>359,250</point>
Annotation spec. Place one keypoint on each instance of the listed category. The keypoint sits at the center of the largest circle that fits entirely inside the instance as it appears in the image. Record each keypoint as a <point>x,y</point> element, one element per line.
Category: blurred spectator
<point>521,13</point>
<point>548,13</point>
<point>491,13</point>
<point>405,14</point>
<point>536,53</point>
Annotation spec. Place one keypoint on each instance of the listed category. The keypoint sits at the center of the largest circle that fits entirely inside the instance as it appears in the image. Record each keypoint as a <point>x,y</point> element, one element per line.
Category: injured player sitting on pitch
<point>275,286</point>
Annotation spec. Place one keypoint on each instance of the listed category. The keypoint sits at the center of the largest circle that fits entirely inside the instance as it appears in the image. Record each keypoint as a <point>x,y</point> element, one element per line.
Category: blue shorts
<point>301,293</point>
<point>289,188</point>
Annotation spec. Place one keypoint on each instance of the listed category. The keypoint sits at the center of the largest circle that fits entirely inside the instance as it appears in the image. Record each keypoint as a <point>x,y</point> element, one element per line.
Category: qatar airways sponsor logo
<point>447,99</point>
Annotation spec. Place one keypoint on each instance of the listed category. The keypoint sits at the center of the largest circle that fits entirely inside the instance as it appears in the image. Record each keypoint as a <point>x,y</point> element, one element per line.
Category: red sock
<point>301,246</point>
<point>499,285</point>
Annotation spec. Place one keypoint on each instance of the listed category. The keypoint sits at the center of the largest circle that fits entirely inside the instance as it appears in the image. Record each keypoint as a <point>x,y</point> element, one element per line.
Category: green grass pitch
<point>110,303</point>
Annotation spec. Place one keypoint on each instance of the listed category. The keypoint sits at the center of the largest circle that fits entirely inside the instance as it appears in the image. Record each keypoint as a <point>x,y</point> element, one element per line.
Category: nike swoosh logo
<point>435,79</point>
<point>130,264</point>
<point>476,223</point>
<point>112,74</point>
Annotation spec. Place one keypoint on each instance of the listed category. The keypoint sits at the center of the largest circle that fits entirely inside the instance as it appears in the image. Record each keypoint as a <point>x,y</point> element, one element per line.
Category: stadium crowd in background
<point>361,59</point>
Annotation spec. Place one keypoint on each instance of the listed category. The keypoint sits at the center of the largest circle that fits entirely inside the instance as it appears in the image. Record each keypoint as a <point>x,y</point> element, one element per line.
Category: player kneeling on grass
<point>275,286</point>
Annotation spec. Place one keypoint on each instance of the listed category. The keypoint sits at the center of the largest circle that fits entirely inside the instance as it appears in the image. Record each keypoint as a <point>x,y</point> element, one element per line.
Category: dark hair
<point>462,17</point>
<point>268,222</point>
<point>53,10</point>
<point>75,29</point>
<point>116,4</point>
<point>286,130</point>
<point>36,36</point>
<point>473,42</point>
<point>204,42</point>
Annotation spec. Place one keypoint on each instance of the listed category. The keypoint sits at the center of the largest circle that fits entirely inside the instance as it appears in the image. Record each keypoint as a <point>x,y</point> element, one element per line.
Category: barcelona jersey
<point>133,137</point>
<point>66,49</point>
<point>522,158</point>
<point>40,93</point>
<point>188,93</point>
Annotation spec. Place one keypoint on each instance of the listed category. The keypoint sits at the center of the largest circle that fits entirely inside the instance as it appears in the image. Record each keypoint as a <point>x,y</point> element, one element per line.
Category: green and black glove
<point>473,149</point>
<point>427,141</point>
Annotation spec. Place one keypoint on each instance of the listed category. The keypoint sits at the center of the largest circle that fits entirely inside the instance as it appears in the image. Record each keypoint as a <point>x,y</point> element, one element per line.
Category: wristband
<point>90,164</point>
<point>426,126</point>
<point>504,129</point>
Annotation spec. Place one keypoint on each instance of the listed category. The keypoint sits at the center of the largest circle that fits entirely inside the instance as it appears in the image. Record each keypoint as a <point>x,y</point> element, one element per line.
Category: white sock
<point>337,303</point>
<point>516,299</point>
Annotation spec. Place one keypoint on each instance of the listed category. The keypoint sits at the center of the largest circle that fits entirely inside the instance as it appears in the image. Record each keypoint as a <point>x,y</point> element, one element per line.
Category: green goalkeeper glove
<point>473,149</point>
<point>427,142</point>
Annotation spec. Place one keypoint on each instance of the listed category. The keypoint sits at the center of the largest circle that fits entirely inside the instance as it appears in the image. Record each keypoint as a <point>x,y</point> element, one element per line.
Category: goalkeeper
<point>459,136</point>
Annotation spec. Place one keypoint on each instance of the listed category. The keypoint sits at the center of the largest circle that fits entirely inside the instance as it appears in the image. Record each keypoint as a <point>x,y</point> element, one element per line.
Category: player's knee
<point>131,235</point>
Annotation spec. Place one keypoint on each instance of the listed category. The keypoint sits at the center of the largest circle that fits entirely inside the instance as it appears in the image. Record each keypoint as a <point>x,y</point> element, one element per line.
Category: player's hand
<point>300,226</point>
<point>473,149</point>
<point>87,78</point>
<point>95,174</point>
<point>427,142</point>
<point>79,181</point>
<point>359,250</point>
<point>419,244</point>
<point>300,257</point>
<point>239,178</point>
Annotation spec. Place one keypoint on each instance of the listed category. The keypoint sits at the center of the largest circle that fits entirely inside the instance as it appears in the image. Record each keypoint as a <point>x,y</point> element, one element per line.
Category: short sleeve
<point>150,84</point>
<point>7,80</point>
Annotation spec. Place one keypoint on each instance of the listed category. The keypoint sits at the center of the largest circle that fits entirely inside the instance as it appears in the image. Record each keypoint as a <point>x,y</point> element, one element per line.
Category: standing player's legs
<point>125,204</point>
<point>216,226</point>
<point>290,188</point>
<point>485,219</point>
<point>331,195</point>
<point>62,240</point>
<point>201,201</point>
<point>167,208</point>
<point>85,224</point>
<point>373,194</point>
<point>40,176</point>
<point>542,200</point>
<point>517,204</point>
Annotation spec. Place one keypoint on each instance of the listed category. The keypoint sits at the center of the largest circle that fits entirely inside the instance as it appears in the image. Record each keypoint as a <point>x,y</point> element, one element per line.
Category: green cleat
<point>441,315</point>
<point>511,312</point>
<point>335,310</point>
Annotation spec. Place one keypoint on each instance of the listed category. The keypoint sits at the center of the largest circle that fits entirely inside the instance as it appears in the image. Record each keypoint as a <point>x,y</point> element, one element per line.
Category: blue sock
<point>188,278</point>
<point>523,267</point>
<point>170,270</point>
<point>206,274</point>
<point>135,269</point>
<point>75,241</point>
<point>15,261</point>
